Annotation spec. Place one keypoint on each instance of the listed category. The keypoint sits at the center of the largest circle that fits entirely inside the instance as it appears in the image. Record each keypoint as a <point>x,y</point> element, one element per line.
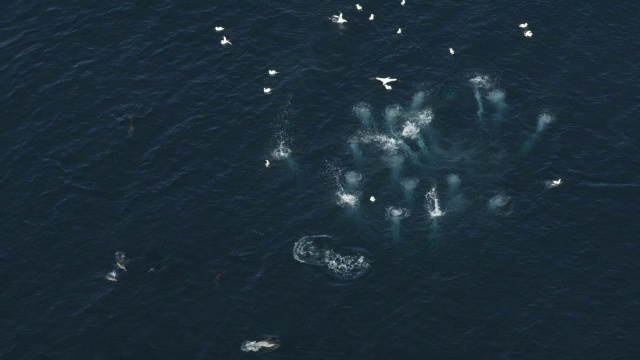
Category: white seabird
<point>555,183</point>
<point>358,7</point>
<point>225,41</point>
<point>372,199</point>
<point>451,51</point>
<point>112,276</point>
<point>267,90</point>
<point>528,33</point>
<point>371,17</point>
<point>273,72</point>
<point>523,25</point>
<point>402,2</point>
<point>338,19</point>
<point>384,80</point>
<point>387,86</point>
<point>266,163</point>
<point>219,28</point>
<point>399,31</point>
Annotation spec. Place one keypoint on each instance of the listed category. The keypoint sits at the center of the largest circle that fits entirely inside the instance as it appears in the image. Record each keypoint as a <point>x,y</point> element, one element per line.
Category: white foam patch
<point>481,81</point>
<point>281,152</point>
<point>346,267</point>
<point>433,204</point>
<point>501,204</point>
<point>322,250</point>
<point>410,130</point>
<point>395,213</point>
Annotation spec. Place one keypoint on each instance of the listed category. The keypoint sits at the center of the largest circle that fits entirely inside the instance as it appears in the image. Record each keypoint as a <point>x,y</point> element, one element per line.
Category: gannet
<point>219,28</point>
<point>266,163</point>
<point>399,31</point>
<point>273,72</point>
<point>372,199</point>
<point>451,51</point>
<point>358,7</point>
<point>267,90</point>
<point>224,41</point>
<point>556,182</point>
<point>338,19</point>
<point>112,276</point>
<point>402,2</point>
<point>528,33</point>
<point>371,17</point>
<point>384,80</point>
<point>523,26</point>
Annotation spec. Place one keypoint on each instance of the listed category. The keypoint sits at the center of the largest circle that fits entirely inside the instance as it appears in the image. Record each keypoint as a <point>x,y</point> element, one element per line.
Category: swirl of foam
<point>346,267</point>
<point>353,177</point>
<point>320,250</point>
<point>410,130</point>
<point>310,249</point>
<point>395,213</point>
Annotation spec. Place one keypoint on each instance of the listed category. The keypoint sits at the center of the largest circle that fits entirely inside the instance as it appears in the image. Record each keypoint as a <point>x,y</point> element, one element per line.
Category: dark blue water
<point>129,127</point>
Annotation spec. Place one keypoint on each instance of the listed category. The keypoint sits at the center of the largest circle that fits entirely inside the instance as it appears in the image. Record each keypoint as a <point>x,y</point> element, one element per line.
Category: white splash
<point>433,204</point>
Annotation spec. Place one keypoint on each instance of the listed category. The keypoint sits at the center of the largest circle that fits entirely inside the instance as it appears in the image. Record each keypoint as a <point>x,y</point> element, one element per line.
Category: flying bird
<point>225,41</point>
<point>399,31</point>
<point>451,51</point>
<point>528,33</point>
<point>402,2</point>
<point>523,26</point>
<point>358,7</point>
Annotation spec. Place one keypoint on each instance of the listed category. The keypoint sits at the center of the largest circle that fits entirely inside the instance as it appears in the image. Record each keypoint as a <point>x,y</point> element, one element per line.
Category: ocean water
<point>128,127</point>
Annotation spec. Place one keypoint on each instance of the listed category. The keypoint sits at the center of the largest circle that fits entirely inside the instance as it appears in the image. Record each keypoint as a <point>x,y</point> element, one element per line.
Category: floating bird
<point>267,90</point>
<point>399,31</point>
<point>371,17</point>
<point>555,183</point>
<point>528,33</point>
<point>451,51</point>
<point>224,41</point>
<point>358,7</point>
<point>372,199</point>
<point>338,19</point>
<point>273,72</point>
<point>523,26</point>
<point>112,276</point>
<point>266,163</point>
<point>402,2</point>
<point>120,260</point>
<point>219,28</point>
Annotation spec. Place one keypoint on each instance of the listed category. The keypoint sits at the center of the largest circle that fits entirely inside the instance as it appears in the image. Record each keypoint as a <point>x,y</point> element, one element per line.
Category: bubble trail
<point>454,184</point>
<point>363,112</point>
<point>496,97</point>
<point>476,93</point>
<point>395,214</point>
<point>409,186</point>
<point>544,120</point>
<point>395,165</point>
<point>417,101</point>
<point>391,115</point>
<point>358,156</point>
